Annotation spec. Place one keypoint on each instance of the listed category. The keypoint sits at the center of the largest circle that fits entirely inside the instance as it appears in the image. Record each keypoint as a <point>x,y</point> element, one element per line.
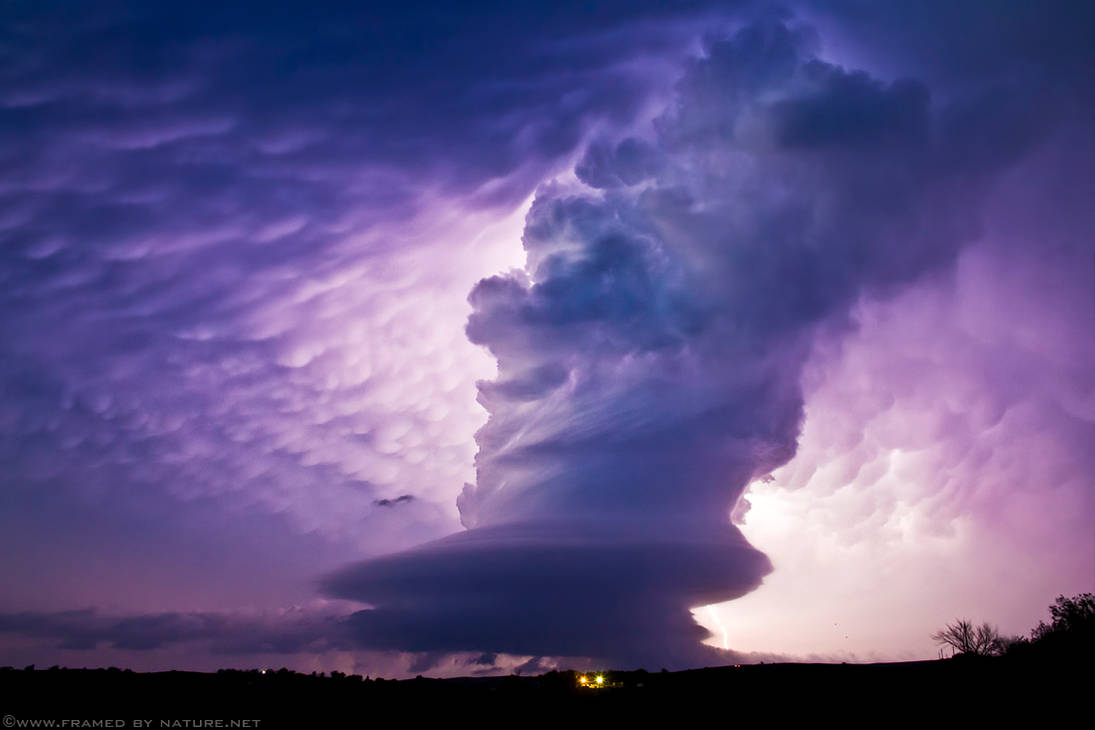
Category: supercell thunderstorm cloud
<point>400,340</point>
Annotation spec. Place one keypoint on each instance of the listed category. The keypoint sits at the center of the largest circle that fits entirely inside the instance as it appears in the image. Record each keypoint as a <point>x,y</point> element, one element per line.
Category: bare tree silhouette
<point>965,638</point>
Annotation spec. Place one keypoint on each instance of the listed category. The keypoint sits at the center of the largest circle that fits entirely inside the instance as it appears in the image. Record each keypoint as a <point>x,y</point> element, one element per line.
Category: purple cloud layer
<point>237,249</point>
<point>239,353</point>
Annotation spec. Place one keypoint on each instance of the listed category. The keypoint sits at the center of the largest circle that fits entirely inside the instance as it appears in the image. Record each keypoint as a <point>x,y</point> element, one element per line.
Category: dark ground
<point>966,690</point>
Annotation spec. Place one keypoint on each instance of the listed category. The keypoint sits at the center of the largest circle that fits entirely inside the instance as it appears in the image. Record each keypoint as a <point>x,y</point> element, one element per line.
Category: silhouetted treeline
<point>990,687</point>
<point>1069,636</point>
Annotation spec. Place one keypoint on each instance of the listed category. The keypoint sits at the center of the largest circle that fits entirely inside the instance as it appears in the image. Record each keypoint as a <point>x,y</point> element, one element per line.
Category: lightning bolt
<point>722,629</point>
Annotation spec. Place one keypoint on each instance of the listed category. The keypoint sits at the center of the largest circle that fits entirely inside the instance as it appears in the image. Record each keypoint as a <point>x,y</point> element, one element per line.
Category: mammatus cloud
<point>650,351</point>
<point>237,246</point>
<point>944,449</point>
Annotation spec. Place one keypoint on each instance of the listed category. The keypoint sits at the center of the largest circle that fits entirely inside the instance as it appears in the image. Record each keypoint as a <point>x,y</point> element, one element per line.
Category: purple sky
<point>400,340</point>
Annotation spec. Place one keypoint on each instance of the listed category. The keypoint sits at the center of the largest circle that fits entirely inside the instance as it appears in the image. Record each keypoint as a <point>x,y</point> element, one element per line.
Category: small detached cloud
<point>402,499</point>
